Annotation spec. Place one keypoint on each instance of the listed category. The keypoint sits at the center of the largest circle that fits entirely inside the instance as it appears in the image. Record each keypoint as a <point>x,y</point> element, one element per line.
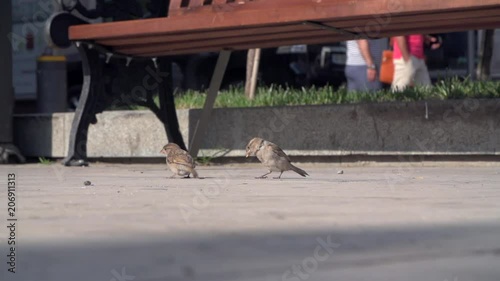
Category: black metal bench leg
<point>168,114</point>
<point>85,112</point>
<point>215,83</point>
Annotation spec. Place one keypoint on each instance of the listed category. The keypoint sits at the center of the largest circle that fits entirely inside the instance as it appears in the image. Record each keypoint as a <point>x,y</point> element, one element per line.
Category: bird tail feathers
<point>299,171</point>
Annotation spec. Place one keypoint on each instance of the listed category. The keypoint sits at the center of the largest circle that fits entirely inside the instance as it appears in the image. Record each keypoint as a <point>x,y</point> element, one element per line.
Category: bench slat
<point>280,37</point>
<point>253,43</point>
<point>322,39</point>
<point>195,3</point>
<point>252,31</point>
<point>174,5</point>
<point>194,32</point>
<point>272,44</point>
<point>311,11</point>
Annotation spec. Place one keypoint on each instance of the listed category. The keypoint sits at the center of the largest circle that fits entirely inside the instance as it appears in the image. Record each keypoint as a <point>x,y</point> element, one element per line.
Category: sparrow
<point>179,161</point>
<point>271,156</point>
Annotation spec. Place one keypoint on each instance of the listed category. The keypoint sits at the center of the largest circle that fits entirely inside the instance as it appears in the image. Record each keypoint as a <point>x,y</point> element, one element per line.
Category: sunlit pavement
<point>368,223</point>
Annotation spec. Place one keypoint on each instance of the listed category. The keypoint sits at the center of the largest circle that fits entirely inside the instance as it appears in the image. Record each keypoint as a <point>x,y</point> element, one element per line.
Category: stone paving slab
<point>407,222</point>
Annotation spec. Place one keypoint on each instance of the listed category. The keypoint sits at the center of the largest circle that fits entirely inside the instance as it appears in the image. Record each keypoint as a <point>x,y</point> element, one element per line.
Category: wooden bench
<point>194,26</point>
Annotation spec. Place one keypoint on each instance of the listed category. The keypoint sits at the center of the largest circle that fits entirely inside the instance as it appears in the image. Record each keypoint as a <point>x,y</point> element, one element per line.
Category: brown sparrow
<point>271,156</point>
<point>179,161</point>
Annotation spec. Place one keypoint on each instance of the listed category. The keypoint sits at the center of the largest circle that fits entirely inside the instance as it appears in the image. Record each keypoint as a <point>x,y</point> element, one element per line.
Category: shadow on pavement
<point>433,252</point>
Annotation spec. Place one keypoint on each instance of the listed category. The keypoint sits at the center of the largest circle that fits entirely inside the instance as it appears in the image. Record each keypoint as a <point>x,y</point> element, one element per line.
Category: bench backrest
<point>180,7</point>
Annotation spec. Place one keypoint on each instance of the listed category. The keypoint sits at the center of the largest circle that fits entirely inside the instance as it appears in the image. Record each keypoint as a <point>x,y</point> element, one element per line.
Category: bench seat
<point>195,26</point>
<point>237,25</point>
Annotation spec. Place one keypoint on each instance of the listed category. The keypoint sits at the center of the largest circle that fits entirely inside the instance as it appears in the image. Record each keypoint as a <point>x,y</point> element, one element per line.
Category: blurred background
<point>293,66</point>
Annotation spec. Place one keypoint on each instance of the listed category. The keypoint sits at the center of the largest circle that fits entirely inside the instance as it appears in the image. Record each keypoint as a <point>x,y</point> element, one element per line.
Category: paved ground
<point>369,223</point>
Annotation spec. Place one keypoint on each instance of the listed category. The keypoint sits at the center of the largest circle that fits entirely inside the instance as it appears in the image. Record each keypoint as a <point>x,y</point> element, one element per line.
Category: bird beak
<point>247,155</point>
<point>162,151</point>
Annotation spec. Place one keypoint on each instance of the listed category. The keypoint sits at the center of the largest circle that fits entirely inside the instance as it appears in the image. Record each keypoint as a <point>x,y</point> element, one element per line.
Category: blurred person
<point>363,63</point>
<point>410,68</point>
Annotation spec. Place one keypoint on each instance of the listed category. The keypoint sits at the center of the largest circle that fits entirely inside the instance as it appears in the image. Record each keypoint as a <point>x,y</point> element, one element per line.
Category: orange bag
<point>387,67</point>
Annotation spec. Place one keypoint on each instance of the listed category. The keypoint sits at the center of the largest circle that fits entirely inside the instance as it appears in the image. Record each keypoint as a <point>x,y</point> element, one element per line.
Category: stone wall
<point>460,127</point>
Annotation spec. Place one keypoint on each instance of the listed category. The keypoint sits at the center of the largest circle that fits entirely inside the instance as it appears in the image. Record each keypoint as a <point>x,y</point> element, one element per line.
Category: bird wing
<point>180,157</point>
<point>277,150</point>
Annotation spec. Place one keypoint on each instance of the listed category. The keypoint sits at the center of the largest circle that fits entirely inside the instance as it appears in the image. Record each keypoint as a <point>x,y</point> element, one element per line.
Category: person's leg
<point>355,79</point>
<point>373,85</point>
<point>362,83</point>
<point>422,77</point>
<point>404,73</point>
<point>349,77</point>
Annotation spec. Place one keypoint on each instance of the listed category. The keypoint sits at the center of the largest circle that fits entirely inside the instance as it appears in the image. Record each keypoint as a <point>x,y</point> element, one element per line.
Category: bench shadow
<point>356,254</point>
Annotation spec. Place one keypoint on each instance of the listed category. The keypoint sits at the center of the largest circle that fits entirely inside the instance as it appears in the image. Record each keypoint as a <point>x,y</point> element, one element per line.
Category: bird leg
<point>264,175</point>
<point>279,177</point>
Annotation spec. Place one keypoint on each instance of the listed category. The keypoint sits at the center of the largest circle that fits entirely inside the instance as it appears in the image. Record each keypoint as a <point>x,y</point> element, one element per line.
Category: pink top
<point>415,46</point>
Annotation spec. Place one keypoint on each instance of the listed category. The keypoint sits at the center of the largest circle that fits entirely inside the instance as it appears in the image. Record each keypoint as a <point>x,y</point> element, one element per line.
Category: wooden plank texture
<point>272,23</point>
<point>175,5</point>
<point>195,3</point>
<point>309,10</point>
<point>308,40</point>
<point>359,25</point>
<point>279,37</point>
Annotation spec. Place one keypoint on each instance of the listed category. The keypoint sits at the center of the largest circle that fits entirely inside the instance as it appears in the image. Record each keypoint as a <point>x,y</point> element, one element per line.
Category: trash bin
<point>51,84</point>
